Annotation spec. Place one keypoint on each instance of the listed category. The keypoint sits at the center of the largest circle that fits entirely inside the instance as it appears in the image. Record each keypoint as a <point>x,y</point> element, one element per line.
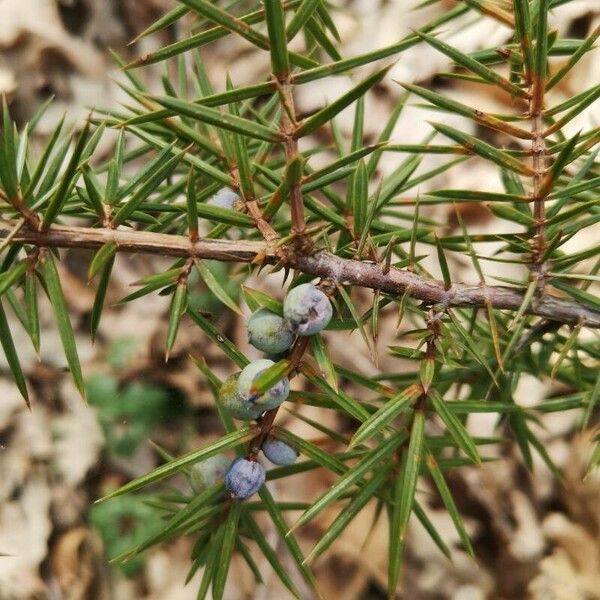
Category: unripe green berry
<point>308,309</point>
<point>206,473</point>
<point>269,332</point>
<point>273,397</point>
<point>244,478</point>
<point>236,404</point>
<point>278,452</point>
<point>224,198</point>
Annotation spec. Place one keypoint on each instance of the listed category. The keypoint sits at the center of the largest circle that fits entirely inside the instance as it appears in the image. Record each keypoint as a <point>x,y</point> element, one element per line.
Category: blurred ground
<point>535,537</point>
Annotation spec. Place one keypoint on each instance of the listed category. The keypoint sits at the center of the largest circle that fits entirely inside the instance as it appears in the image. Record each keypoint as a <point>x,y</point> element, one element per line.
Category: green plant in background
<point>127,415</point>
<point>124,524</point>
<point>121,351</point>
<point>336,226</point>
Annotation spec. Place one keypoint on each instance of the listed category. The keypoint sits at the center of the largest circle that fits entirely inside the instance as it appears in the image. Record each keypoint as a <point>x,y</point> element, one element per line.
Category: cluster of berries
<point>306,311</point>
<point>243,477</point>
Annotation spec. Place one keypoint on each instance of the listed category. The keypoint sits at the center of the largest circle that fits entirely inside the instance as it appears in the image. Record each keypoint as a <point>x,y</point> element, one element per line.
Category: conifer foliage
<point>224,177</point>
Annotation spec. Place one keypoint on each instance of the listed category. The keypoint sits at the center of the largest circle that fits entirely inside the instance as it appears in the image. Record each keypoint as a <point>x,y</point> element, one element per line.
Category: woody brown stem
<point>266,423</point>
<point>253,208</point>
<point>538,147</point>
<point>265,228</point>
<point>318,264</point>
<point>291,154</point>
<point>19,205</point>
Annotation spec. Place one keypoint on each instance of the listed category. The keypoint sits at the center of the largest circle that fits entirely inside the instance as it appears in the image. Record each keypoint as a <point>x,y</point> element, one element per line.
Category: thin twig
<point>253,208</point>
<point>318,264</point>
<point>538,147</point>
<point>266,423</point>
<point>8,239</point>
<point>265,228</point>
<point>281,73</point>
<point>19,205</point>
<point>539,210</point>
<point>291,154</point>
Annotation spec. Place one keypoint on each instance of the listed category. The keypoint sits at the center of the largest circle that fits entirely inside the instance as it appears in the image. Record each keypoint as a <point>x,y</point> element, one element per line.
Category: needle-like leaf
<point>446,495</point>
<point>100,296</point>
<point>404,497</point>
<point>326,114</point>
<point>277,38</point>
<point>10,352</point>
<point>61,312</point>
<point>103,256</point>
<point>483,149</point>
<point>223,120</point>
<point>377,422</point>
<point>215,286</point>
<point>228,441</point>
<point>225,551</point>
<point>458,108</point>
<point>486,74</point>
<point>455,427</point>
<point>303,13</point>
<point>351,477</point>
<point>67,181</point>
<point>229,22</point>
<point>178,308</point>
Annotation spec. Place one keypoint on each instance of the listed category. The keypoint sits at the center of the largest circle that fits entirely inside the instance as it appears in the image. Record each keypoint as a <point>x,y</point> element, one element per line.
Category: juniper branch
<point>19,205</point>
<point>538,146</point>
<point>318,264</point>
